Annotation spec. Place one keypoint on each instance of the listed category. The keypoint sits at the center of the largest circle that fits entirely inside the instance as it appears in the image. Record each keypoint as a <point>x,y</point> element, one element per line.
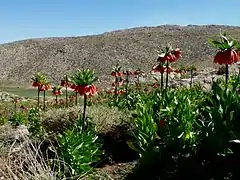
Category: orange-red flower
<point>57,92</point>
<point>121,92</point>
<point>117,74</point>
<point>171,56</point>
<point>36,84</point>
<point>73,86</point>
<point>45,87</point>
<point>161,69</point>
<point>88,90</point>
<point>177,53</point>
<point>226,57</point>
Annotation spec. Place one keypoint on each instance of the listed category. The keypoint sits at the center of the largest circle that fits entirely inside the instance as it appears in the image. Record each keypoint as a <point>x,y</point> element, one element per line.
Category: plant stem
<point>76,98</point>
<point>127,80</point>
<point>38,96</point>
<point>44,98</point>
<point>56,99</point>
<point>227,73</point>
<point>84,112</point>
<point>167,76</point>
<point>161,81</point>
<point>116,88</point>
<point>66,91</point>
<point>191,78</point>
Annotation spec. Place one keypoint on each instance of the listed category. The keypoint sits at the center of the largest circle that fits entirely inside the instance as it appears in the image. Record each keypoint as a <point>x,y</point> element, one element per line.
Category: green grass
<point>23,92</point>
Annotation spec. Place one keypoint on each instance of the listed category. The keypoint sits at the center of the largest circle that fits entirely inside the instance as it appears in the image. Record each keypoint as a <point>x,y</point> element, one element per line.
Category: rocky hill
<point>136,47</point>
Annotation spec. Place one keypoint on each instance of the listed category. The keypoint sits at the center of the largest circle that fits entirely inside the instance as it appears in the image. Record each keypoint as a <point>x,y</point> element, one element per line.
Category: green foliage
<point>34,123</point>
<point>195,122</point>
<point>179,109</point>
<point>18,118</point>
<point>39,77</point>
<point>225,43</point>
<point>80,150</point>
<point>145,132</point>
<point>126,101</point>
<point>223,115</point>
<point>84,77</point>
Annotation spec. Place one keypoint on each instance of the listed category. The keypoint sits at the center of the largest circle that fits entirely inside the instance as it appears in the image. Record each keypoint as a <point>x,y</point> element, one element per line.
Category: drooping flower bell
<point>228,50</point>
<point>88,90</point>
<point>83,82</point>
<point>162,69</point>
<point>169,54</point>
<point>226,57</point>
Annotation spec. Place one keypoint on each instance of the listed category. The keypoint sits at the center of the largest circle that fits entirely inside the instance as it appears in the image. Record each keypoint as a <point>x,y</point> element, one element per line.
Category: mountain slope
<point>132,48</point>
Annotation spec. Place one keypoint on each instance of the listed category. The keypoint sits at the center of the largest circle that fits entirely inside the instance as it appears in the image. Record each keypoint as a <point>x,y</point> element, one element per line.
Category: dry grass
<point>56,120</point>
<point>25,159</point>
<point>133,48</point>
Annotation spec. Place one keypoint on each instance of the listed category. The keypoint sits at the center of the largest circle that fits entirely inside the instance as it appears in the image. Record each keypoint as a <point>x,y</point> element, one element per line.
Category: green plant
<point>18,118</point>
<point>34,123</point>
<point>145,128</point>
<point>228,51</point>
<point>84,79</point>
<point>222,116</point>
<point>39,79</point>
<point>80,150</point>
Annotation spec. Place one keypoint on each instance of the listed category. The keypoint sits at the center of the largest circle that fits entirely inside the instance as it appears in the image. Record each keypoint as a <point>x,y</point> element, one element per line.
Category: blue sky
<point>22,19</point>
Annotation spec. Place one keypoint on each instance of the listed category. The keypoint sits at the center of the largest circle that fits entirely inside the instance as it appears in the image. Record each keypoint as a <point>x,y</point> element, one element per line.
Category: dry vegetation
<point>131,48</point>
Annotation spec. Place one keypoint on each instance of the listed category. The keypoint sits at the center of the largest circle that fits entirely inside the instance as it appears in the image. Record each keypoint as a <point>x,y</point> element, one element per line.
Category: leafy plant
<point>80,150</point>
<point>18,118</point>
<point>145,128</point>
<point>84,79</point>
<point>227,53</point>
<point>34,123</point>
<point>39,81</point>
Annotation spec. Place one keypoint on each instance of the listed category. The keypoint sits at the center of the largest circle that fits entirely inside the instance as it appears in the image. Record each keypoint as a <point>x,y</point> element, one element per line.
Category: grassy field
<point>25,92</point>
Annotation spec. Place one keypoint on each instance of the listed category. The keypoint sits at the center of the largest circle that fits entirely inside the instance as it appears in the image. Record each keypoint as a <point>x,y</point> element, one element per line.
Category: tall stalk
<point>167,75</point>
<point>127,83</point>
<point>56,99</point>
<point>84,112</point>
<point>76,98</point>
<point>227,73</point>
<point>66,85</point>
<point>161,81</point>
<point>44,99</point>
<point>116,87</point>
<point>38,96</point>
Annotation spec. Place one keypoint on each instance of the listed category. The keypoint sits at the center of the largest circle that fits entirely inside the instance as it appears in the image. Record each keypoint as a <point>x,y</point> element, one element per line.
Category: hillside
<point>136,47</point>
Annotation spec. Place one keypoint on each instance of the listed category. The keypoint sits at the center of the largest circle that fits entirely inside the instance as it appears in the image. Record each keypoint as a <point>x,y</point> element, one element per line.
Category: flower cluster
<point>82,82</point>
<point>56,90</point>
